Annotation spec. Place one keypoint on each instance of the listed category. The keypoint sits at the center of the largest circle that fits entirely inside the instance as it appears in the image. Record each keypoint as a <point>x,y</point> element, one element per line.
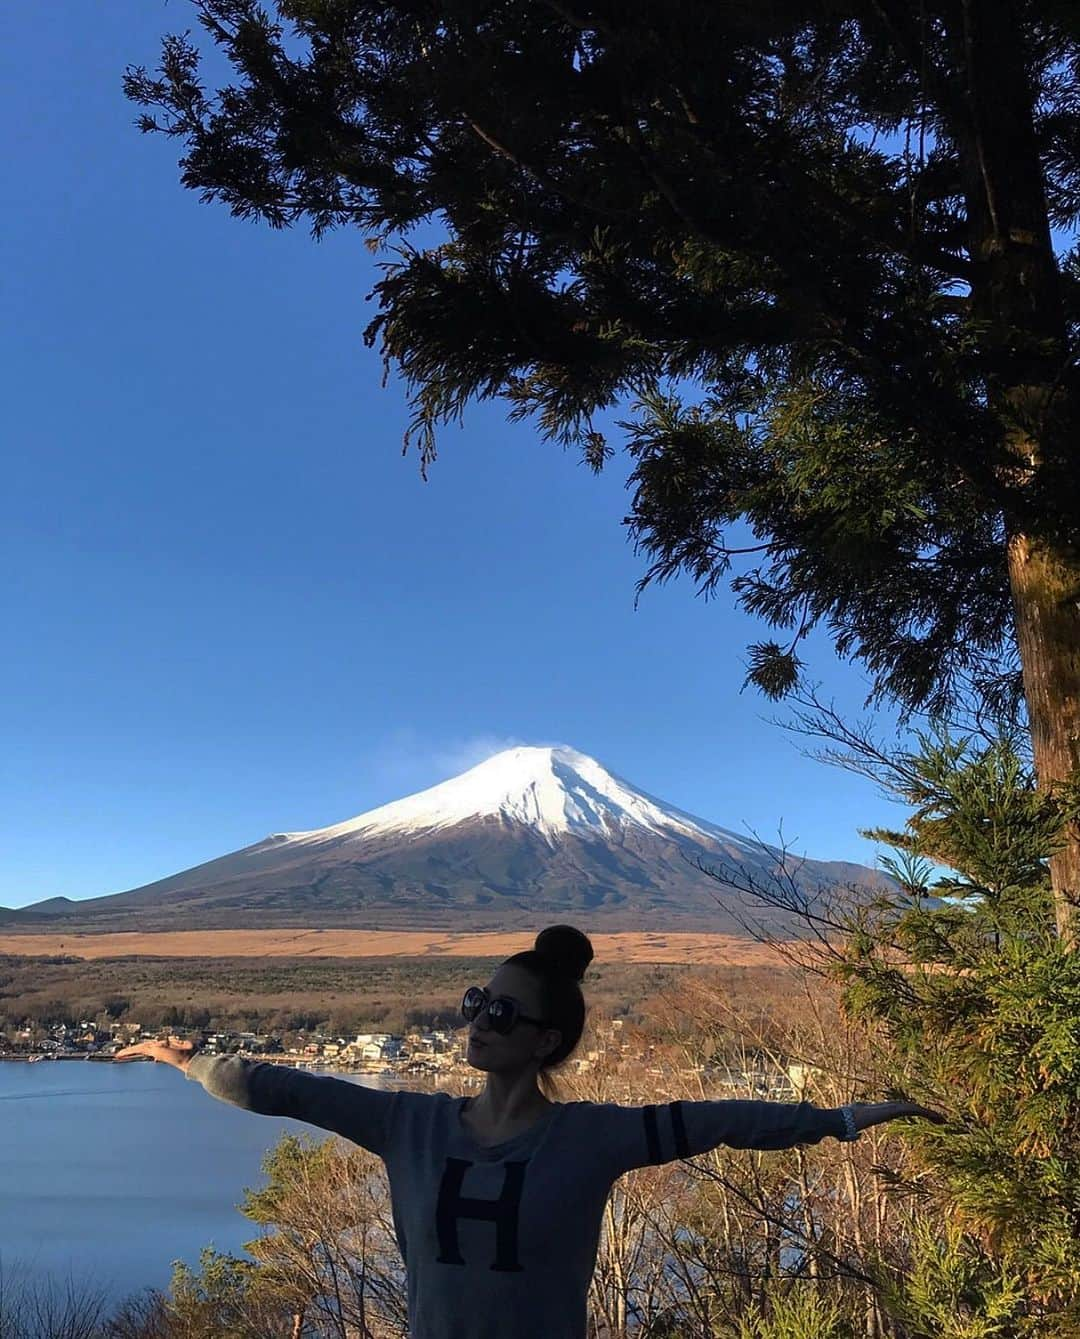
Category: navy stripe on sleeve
<point>652,1135</point>
<point>682,1147</point>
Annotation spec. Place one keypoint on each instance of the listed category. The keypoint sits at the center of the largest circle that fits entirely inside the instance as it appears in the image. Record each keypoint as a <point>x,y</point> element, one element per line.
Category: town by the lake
<point>426,1056</point>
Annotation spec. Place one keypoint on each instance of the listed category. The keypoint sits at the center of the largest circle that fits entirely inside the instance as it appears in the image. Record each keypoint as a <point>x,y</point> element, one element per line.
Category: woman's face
<point>526,1043</point>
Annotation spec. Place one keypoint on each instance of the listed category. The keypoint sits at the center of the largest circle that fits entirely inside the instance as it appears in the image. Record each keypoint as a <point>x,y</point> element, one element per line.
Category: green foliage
<point>326,1251</point>
<point>954,1289</point>
<point>981,1003</point>
<point>803,1313</point>
<point>214,1302</point>
<point>293,1158</point>
<point>824,278</point>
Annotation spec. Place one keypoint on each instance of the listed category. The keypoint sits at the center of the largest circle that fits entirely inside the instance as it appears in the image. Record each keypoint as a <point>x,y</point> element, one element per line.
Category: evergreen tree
<point>803,1314</point>
<point>219,1301</point>
<point>812,243</point>
<point>980,1000</point>
<point>327,1251</point>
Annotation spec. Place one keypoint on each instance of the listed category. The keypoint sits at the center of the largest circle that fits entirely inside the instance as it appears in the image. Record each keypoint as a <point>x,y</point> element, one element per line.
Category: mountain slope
<point>531,834</point>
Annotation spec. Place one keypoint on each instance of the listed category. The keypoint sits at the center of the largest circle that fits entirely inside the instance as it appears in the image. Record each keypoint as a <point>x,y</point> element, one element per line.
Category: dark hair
<point>558,960</point>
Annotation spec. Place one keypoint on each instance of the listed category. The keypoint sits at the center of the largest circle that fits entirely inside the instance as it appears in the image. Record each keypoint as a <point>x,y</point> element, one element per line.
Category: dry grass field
<point>680,949</point>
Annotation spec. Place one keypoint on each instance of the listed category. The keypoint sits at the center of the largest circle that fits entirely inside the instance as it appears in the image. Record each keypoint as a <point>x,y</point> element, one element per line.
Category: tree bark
<point>1016,299</point>
<point>1048,634</point>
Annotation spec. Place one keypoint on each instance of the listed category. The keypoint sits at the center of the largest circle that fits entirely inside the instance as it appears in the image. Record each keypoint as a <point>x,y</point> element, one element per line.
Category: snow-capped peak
<point>551,790</point>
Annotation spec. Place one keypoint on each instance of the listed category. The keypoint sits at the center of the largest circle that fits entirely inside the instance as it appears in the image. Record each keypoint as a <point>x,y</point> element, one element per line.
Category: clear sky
<point>231,607</point>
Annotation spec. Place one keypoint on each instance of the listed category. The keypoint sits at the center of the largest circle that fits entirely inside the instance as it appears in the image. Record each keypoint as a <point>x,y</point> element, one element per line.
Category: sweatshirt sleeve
<point>359,1114</point>
<point>650,1135</point>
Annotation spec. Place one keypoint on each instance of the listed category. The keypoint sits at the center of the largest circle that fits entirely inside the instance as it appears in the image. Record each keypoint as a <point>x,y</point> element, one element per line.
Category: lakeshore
<point>460,1074</point>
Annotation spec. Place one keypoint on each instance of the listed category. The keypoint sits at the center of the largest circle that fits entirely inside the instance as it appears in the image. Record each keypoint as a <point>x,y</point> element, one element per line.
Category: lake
<point>111,1172</point>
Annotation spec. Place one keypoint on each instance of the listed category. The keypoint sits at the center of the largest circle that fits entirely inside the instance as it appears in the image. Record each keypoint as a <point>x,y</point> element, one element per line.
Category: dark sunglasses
<point>503,1013</point>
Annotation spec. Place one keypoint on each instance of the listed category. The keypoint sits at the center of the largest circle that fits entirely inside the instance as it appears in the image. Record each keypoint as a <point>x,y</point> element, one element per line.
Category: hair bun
<point>568,949</point>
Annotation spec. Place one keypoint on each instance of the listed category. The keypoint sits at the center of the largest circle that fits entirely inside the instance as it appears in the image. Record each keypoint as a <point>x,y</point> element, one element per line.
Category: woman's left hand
<point>876,1113</point>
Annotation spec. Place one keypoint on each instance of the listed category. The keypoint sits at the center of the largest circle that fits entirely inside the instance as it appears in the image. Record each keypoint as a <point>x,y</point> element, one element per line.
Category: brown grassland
<point>287,981</point>
<point>682,949</point>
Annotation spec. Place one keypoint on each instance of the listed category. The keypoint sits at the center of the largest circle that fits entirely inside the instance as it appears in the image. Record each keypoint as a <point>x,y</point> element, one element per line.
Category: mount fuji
<point>530,834</point>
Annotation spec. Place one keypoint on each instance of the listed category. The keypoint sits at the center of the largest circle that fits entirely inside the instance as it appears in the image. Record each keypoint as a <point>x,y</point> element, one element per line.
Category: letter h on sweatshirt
<point>503,1212</point>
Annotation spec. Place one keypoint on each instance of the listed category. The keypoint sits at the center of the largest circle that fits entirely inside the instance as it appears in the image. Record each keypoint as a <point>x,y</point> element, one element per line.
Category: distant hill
<point>533,835</point>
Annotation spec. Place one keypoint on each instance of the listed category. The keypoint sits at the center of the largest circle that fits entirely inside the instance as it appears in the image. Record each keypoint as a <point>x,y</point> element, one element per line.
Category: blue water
<point>108,1173</point>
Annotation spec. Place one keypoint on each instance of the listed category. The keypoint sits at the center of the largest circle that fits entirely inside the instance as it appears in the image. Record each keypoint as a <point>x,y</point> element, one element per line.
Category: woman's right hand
<point>172,1052</point>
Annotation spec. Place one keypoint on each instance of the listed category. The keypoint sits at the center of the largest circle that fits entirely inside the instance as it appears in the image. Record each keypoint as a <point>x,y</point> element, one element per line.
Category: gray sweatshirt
<point>502,1240</point>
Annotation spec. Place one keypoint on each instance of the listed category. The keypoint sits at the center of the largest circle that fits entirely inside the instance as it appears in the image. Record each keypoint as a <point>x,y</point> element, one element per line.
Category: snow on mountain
<point>531,833</point>
<point>554,791</point>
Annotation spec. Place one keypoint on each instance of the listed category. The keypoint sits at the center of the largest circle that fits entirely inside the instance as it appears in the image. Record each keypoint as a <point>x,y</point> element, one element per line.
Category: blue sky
<point>232,607</point>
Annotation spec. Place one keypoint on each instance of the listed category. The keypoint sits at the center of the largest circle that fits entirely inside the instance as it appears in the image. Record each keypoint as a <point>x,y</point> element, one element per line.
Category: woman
<point>497,1200</point>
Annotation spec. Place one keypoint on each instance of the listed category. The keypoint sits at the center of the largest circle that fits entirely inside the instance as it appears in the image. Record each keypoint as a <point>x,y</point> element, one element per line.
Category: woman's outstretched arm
<point>650,1135</point>
<point>362,1115</point>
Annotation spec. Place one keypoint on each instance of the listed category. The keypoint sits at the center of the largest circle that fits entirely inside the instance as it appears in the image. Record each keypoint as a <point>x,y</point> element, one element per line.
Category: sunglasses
<point>503,1013</point>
